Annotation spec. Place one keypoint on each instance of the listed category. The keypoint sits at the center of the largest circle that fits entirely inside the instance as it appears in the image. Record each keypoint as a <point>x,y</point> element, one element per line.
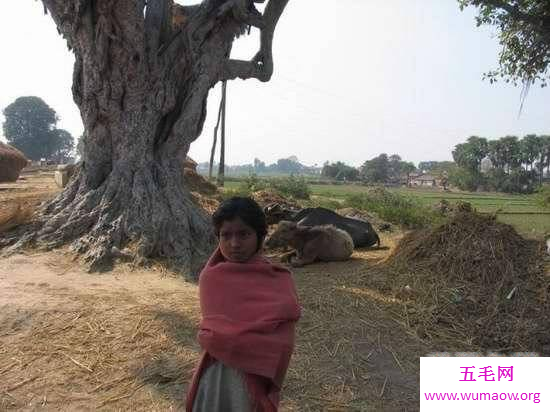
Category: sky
<point>353,79</point>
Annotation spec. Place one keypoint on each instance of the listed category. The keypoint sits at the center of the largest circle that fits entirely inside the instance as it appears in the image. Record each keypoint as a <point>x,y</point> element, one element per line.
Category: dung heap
<point>474,283</point>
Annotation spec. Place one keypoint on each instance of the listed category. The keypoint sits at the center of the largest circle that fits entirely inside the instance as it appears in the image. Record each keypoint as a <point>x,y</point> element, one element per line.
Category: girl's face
<point>238,241</point>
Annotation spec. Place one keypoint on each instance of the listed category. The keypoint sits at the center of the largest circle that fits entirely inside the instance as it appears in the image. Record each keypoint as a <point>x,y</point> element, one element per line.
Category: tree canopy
<point>386,169</point>
<point>524,34</point>
<point>340,171</point>
<point>30,126</point>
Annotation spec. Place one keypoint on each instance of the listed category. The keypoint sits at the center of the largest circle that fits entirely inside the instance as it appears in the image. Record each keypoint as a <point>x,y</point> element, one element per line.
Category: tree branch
<point>67,16</point>
<point>513,10</point>
<point>243,11</point>
<point>261,66</point>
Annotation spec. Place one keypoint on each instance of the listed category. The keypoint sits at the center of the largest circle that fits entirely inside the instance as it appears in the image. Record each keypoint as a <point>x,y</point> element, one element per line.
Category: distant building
<point>423,179</point>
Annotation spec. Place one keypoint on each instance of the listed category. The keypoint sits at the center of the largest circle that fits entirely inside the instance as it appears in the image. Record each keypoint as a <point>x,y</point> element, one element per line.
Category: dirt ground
<point>125,340</point>
<point>33,187</point>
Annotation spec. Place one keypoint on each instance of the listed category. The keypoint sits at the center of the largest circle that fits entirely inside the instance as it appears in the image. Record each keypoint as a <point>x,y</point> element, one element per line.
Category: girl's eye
<point>241,235</point>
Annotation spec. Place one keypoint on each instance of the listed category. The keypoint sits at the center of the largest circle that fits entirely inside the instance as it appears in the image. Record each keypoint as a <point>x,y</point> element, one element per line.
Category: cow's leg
<point>308,255</point>
<point>286,257</point>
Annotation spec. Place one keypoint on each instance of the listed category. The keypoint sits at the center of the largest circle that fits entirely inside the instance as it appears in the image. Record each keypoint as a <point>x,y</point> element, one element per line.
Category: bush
<point>394,208</point>
<point>252,184</point>
<point>295,186</point>
<point>542,197</point>
<point>466,179</point>
<point>240,191</point>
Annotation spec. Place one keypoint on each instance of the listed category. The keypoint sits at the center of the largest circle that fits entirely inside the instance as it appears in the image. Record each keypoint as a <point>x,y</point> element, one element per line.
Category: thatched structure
<point>11,163</point>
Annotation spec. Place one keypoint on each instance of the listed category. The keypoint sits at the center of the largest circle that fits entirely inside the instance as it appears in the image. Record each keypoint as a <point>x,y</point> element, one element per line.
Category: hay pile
<point>197,183</point>
<point>11,163</point>
<point>474,283</point>
<point>208,203</point>
<point>270,196</point>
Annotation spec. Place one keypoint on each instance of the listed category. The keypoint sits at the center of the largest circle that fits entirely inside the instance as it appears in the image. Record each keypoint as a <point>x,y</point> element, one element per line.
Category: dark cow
<point>361,231</point>
<point>275,212</point>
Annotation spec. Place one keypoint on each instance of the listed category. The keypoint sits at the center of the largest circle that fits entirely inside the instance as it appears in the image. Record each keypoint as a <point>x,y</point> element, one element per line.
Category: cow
<point>326,243</point>
<point>361,231</point>
<point>275,212</point>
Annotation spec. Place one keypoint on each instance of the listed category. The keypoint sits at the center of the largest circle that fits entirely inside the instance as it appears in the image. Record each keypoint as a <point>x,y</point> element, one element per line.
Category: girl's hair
<point>245,208</point>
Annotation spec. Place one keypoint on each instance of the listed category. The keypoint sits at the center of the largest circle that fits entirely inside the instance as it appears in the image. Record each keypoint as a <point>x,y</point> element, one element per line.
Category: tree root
<point>139,217</point>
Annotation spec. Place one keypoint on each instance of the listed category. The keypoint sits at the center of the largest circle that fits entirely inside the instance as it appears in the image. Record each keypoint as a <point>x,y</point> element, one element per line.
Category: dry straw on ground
<point>15,215</point>
<point>98,351</point>
<point>474,283</point>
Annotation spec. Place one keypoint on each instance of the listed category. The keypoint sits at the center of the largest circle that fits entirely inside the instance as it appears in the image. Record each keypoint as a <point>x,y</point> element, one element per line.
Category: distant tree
<point>530,147</point>
<point>465,179</point>
<point>259,166</point>
<point>426,166</point>
<point>63,146</point>
<point>511,152</point>
<point>289,166</point>
<point>340,171</point>
<point>524,34</point>
<point>376,170</point>
<point>470,154</point>
<point>330,170</point>
<point>394,167</point>
<point>29,125</point>
<point>407,168</point>
<point>497,154</point>
<point>437,167</point>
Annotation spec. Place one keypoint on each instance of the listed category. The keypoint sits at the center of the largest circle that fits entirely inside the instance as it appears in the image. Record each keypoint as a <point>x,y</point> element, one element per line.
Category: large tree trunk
<point>141,80</point>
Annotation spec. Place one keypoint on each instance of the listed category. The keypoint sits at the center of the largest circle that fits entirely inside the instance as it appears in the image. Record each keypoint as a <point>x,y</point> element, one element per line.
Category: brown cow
<point>325,243</point>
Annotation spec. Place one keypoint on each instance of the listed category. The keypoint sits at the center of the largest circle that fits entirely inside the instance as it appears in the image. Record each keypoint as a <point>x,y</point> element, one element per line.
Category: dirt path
<point>126,340</point>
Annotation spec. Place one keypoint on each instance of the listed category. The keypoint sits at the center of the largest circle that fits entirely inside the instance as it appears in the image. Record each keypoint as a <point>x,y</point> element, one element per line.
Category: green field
<point>521,211</point>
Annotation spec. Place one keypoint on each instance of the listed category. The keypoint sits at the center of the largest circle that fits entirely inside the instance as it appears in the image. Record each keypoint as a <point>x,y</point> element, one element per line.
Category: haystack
<point>197,183</point>
<point>11,163</point>
<point>270,196</point>
<point>474,283</point>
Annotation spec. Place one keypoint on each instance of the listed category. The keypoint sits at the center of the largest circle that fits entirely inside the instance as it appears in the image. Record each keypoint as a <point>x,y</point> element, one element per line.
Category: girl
<point>249,310</point>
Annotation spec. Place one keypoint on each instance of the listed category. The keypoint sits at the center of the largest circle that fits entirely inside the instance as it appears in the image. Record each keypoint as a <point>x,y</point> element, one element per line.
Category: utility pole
<point>221,169</point>
<point>215,140</point>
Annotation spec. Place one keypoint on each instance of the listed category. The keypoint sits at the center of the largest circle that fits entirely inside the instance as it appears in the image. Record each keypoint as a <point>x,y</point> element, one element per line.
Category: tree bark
<point>142,74</point>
